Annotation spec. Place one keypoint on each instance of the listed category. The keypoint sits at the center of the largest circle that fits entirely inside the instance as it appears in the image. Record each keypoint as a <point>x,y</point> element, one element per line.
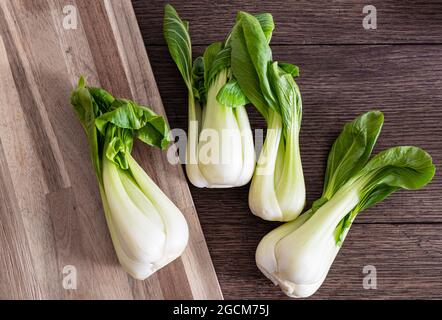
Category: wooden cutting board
<point>52,226</point>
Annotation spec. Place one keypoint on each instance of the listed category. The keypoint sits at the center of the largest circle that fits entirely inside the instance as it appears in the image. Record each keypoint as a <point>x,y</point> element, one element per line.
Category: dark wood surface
<point>345,70</point>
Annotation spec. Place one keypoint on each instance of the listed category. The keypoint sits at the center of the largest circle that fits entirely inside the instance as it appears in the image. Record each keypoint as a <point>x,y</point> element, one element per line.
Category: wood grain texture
<point>401,236</point>
<point>337,83</point>
<point>50,208</point>
<point>302,21</point>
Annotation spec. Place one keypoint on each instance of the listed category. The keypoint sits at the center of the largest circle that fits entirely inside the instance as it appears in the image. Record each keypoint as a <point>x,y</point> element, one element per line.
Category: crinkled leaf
<point>103,99</point>
<point>148,126</point>
<point>86,110</point>
<point>118,145</point>
<point>125,114</point>
<point>111,133</point>
<point>289,68</point>
<point>231,95</point>
<point>155,133</point>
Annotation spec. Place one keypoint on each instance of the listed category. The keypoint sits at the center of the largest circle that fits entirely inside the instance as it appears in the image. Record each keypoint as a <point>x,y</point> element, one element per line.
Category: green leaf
<point>259,53</point>
<point>215,59</point>
<point>125,114</point>
<point>267,25</point>
<point>103,99</point>
<point>86,110</point>
<point>351,150</point>
<point>118,145</point>
<point>231,95</point>
<point>244,70</point>
<point>148,126</point>
<point>390,170</point>
<point>198,80</point>
<point>221,62</point>
<point>176,33</point>
<point>288,95</point>
<point>289,68</point>
<point>403,167</point>
<point>155,133</point>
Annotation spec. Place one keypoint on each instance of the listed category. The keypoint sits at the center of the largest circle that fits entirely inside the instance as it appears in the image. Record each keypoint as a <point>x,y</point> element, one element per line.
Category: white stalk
<point>263,201</point>
<point>193,172</point>
<point>248,147</point>
<point>298,255</point>
<point>291,187</point>
<point>134,233</point>
<point>175,225</point>
<point>220,149</point>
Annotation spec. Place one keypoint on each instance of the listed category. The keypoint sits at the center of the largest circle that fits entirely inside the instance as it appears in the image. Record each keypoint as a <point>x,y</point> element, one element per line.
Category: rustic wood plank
<point>57,197</point>
<point>18,277</point>
<point>408,261</point>
<point>21,177</point>
<point>337,83</point>
<point>302,21</point>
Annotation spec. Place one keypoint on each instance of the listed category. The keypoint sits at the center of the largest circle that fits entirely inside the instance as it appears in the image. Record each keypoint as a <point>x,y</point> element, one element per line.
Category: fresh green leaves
<point>348,166</point>
<point>289,68</point>
<point>267,25</point>
<point>216,57</point>
<point>231,95</point>
<point>288,96</point>
<point>259,53</point>
<point>146,124</point>
<point>86,109</point>
<point>405,167</point>
<point>351,150</point>
<point>176,33</point>
<point>112,124</point>
<point>392,169</point>
<point>266,84</point>
<point>199,88</point>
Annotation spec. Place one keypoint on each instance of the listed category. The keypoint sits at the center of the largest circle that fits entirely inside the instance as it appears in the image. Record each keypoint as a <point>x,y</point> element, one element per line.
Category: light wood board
<point>50,209</point>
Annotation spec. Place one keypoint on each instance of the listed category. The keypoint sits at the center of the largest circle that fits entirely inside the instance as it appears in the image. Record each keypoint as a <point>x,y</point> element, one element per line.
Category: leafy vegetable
<point>298,255</point>
<point>148,231</point>
<point>220,150</point>
<point>277,191</point>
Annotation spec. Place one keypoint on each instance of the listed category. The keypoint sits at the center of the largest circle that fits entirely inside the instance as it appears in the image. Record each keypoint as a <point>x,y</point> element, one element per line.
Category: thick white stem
<point>305,255</point>
<point>133,233</point>
<point>290,187</point>
<point>263,201</point>
<point>248,147</point>
<point>177,232</point>
<point>193,172</point>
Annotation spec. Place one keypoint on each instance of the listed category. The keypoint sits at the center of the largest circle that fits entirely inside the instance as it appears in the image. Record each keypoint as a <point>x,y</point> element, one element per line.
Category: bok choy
<point>148,231</point>
<point>277,191</point>
<point>298,255</point>
<point>220,151</point>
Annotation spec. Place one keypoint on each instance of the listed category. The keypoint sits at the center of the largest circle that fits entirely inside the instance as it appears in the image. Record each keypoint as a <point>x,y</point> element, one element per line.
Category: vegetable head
<point>220,150</point>
<point>277,191</point>
<point>148,231</point>
<point>298,255</point>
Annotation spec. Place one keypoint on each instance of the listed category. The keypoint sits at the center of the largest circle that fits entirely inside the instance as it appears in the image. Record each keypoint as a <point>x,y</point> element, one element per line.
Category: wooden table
<point>345,70</point>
